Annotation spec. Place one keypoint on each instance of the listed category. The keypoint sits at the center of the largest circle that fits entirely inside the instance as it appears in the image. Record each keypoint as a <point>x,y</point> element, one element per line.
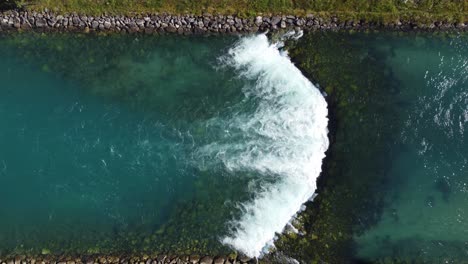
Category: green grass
<point>452,10</point>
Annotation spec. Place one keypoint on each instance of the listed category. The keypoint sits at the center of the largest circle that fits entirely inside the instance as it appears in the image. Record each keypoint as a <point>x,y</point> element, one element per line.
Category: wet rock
<point>283,24</point>
<point>194,259</point>
<point>41,22</point>
<point>275,20</point>
<point>258,20</point>
<point>140,22</point>
<point>76,20</point>
<point>149,30</point>
<point>218,260</point>
<point>243,259</point>
<point>161,258</point>
<point>206,260</point>
<point>171,28</point>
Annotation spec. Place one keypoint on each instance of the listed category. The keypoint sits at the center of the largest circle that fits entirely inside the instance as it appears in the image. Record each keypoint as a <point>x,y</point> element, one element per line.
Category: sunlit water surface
<point>204,144</point>
<point>162,144</point>
<point>425,216</point>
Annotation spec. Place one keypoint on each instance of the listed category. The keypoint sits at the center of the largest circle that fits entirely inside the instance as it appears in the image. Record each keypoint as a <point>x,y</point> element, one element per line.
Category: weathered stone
<point>140,22</point>
<point>460,25</point>
<point>76,20</point>
<point>41,22</point>
<point>218,260</point>
<point>299,22</point>
<point>258,20</point>
<point>161,258</point>
<point>275,20</point>
<point>206,260</point>
<point>283,24</point>
<point>194,259</point>
<point>188,24</point>
<point>171,28</point>
<point>149,30</point>
<point>243,259</point>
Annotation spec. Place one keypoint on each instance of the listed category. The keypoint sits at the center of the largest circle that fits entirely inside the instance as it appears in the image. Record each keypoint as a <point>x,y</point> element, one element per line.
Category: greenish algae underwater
<point>97,140</point>
<point>393,183</point>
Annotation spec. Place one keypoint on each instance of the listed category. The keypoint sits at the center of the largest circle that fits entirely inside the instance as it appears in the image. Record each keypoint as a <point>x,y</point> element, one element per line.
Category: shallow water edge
<point>335,90</point>
<point>23,53</point>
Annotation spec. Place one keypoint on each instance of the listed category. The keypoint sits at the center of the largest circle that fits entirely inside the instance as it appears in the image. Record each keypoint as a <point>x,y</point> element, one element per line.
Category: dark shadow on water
<point>443,186</point>
<point>360,89</point>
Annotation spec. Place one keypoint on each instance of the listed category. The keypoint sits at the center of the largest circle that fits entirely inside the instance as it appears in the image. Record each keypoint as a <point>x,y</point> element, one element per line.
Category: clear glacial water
<point>131,144</point>
<point>425,213</point>
<point>209,144</point>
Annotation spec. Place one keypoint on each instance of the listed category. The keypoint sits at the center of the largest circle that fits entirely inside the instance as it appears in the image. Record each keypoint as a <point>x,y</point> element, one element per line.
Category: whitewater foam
<point>285,137</point>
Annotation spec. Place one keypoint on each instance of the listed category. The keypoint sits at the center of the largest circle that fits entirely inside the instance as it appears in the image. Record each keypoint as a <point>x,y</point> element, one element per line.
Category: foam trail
<point>284,137</point>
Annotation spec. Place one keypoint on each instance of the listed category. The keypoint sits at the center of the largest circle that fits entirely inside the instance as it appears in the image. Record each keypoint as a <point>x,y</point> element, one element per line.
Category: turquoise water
<point>80,168</point>
<point>393,187</point>
<point>166,144</point>
<point>425,212</point>
<point>211,144</point>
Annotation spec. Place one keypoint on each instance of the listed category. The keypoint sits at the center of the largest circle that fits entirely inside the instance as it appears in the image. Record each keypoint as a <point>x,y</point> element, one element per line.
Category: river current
<point>220,140</point>
<point>212,144</point>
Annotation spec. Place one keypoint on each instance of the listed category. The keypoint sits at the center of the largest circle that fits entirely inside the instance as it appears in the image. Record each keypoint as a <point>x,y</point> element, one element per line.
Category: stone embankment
<point>160,259</point>
<point>204,24</point>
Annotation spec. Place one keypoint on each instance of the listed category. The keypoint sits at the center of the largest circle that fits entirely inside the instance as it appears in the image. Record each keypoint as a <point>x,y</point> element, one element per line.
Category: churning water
<point>284,137</point>
<point>208,144</point>
<point>120,144</point>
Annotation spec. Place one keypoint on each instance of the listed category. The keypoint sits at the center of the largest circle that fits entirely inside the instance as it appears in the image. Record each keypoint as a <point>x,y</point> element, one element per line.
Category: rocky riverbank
<point>204,24</point>
<point>159,259</point>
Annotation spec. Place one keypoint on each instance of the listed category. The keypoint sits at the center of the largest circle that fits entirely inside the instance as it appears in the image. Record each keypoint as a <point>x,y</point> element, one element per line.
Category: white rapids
<point>284,137</point>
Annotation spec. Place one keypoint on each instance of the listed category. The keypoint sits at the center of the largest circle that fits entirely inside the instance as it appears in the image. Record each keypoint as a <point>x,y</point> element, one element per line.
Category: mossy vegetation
<point>372,10</point>
<point>360,91</point>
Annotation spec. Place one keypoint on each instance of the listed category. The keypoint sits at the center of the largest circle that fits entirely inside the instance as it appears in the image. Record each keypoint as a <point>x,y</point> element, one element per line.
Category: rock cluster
<point>159,259</point>
<point>193,24</point>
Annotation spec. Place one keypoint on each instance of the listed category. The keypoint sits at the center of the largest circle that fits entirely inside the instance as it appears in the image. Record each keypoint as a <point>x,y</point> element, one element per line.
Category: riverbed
<point>212,144</point>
